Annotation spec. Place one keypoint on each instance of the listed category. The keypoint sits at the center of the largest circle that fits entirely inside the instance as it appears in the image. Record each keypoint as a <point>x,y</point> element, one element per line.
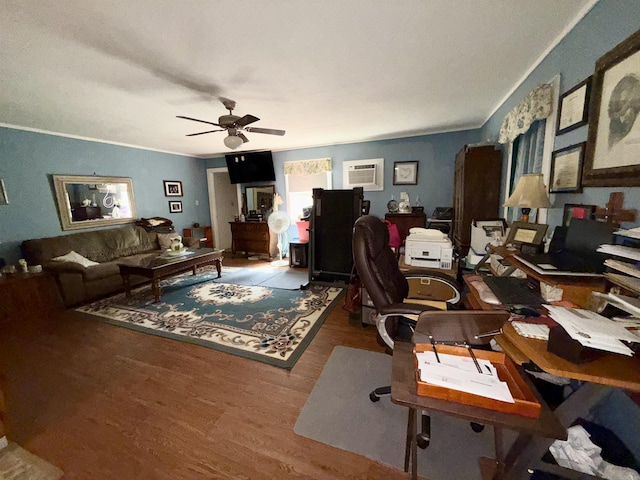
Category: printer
<point>428,248</point>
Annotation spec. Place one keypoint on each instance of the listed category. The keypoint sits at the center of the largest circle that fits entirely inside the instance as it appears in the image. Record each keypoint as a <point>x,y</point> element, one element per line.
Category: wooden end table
<point>164,266</point>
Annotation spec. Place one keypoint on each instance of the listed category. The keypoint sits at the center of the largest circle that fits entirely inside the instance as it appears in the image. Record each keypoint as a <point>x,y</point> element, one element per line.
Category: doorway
<point>223,205</point>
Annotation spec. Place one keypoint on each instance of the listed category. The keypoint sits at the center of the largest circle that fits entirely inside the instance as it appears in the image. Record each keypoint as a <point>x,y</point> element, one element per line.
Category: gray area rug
<point>285,278</point>
<point>339,413</point>
<point>18,464</point>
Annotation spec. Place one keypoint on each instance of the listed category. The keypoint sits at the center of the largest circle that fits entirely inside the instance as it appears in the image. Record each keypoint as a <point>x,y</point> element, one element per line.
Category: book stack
<point>623,269</point>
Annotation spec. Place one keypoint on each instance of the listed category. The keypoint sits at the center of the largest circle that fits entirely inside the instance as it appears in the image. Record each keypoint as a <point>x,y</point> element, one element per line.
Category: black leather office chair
<point>388,288</point>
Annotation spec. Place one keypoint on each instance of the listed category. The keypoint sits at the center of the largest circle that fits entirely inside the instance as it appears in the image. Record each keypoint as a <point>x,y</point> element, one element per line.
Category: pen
<point>433,345</point>
<point>475,360</point>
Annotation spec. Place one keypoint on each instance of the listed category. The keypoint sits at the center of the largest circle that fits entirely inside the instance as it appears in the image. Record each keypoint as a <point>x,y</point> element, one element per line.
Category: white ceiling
<point>326,71</point>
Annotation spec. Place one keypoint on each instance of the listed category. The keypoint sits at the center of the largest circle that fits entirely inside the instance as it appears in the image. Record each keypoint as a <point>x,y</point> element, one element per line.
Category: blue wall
<point>27,160</point>
<point>574,58</point>
<point>435,154</point>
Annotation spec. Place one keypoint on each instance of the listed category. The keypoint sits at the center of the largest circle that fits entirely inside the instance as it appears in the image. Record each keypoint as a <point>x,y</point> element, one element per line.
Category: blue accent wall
<point>27,161</point>
<point>435,154</point>
<point>607,24</point>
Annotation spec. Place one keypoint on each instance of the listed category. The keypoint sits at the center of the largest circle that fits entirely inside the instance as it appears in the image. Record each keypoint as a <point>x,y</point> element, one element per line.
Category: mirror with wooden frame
<point>93,201</point>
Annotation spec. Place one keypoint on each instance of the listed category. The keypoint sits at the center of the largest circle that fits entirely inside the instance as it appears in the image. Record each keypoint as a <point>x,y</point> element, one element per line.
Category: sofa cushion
<point>74,257</point>
<point>101,270</point>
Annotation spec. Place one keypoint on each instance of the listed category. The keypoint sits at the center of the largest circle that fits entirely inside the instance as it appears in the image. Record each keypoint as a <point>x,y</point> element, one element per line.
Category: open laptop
<point>578,256</point>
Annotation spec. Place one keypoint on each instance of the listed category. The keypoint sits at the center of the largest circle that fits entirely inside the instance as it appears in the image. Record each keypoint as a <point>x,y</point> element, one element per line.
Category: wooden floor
<point>104,402</point>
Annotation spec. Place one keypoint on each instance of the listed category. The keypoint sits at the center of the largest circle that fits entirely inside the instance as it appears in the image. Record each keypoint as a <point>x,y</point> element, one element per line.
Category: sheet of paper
<point>464,381</point>
<point>593,330</point>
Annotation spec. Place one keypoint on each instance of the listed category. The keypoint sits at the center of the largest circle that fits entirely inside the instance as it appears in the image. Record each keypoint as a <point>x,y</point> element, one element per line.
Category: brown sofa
<point>109,247</point>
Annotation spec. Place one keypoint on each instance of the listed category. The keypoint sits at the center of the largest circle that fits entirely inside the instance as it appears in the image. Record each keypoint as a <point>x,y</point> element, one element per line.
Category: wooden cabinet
<point>26,294</point>
<point>204,233</point>
<point>476,191</point>
<point>405,221</point>
<point>251,237</point>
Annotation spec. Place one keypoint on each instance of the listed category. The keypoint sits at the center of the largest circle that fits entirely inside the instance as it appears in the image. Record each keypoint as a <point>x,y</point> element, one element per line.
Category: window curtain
<point>307,167</point>
<point>525,126</point>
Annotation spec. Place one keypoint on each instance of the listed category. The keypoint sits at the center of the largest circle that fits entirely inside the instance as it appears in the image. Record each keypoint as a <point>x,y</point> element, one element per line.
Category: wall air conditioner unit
<point>368,174</point>
<point>364,175</point>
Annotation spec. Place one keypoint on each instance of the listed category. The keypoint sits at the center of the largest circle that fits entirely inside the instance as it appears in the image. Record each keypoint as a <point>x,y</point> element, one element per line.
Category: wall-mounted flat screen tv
<point>250,167</point>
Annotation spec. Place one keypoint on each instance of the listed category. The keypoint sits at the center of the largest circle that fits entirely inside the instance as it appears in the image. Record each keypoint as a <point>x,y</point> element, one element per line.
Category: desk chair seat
<point>377,266</point>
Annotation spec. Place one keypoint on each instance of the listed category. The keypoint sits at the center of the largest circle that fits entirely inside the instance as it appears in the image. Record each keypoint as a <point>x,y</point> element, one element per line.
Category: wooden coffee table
<point>164,266</point>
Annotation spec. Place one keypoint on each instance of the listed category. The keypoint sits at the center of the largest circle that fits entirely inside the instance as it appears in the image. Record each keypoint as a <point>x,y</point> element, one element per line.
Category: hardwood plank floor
<point>104,402</point>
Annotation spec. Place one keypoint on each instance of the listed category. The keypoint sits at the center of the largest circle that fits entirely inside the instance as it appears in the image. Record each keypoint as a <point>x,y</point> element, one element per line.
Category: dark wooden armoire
<point>476,191</point>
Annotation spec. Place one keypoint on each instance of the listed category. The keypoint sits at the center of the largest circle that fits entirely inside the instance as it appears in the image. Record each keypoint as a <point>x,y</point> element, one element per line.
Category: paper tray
<point>526,404</point>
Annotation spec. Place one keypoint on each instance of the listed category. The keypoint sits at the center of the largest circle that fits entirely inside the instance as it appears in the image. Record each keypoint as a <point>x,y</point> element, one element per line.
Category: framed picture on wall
<point>405,173</point>
<point>172,188</point>
<point>573,107</point>
<point>175,206</point>
<point>566,169</point>
<point>612,157</point>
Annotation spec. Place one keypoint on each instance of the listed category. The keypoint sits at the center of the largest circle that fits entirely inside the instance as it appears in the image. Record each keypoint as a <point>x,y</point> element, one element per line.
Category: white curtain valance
<point>307,167</point>
<point>535,106</point>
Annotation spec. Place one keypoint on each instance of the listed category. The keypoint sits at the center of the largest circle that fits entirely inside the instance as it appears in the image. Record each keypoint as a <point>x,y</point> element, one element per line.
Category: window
<point>301,178</point>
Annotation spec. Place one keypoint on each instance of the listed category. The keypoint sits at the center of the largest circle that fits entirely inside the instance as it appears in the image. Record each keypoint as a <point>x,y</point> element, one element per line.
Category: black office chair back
<point>376,263</point>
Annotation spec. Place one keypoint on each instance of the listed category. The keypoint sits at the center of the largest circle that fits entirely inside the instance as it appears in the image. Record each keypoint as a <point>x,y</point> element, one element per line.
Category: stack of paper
<point>461,373</point>
<point>620,251</point>
<point>593,330</point>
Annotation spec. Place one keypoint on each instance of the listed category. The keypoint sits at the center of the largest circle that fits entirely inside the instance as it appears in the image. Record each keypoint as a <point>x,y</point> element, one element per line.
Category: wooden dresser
<point>476,191</point>
<point>252,237</point>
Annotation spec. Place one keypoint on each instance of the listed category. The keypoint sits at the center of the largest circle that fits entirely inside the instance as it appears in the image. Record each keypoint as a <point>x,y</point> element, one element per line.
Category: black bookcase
<point>331,228</point>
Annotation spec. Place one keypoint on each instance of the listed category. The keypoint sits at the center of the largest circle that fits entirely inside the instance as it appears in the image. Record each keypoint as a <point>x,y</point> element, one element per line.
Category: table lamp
<point>530,192</point>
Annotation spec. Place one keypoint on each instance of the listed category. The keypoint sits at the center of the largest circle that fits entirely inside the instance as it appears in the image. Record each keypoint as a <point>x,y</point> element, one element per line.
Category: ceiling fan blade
<point>246,120</point>
<point>196,120</point>
<point>202,133</point>
<point>270,131</point>
<point>241,135</point>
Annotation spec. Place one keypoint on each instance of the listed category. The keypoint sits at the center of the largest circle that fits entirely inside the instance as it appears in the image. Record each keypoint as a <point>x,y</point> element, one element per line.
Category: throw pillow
<point>164,239</point>
<point>75,258</point>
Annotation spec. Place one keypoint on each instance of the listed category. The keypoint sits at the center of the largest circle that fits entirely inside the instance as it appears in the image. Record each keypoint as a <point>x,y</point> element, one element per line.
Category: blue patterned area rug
<point>267,324</point>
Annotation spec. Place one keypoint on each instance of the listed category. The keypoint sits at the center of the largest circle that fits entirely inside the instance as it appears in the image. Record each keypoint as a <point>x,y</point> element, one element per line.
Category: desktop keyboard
<point>513,291</point>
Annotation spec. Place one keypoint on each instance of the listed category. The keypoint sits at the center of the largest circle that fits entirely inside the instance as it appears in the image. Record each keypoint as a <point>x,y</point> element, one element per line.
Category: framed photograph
<point>525,232</point>
<point>175,206</point>
<point>572,210</point>
<point>612,156</point>
<point>4,199</point>
<point>172,188</point>
<point>566,169</point>
<point>573,107</point>
<point>405,173</point>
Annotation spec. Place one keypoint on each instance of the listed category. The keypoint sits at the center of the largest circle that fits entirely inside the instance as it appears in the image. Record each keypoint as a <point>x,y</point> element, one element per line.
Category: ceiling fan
<point>234,125</point>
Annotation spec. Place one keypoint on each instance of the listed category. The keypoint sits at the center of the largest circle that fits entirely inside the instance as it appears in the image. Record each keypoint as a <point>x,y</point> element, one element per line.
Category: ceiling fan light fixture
<point>233,141</point>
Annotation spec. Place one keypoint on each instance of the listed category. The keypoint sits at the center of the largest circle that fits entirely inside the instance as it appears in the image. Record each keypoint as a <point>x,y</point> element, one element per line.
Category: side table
<point>27,293</point>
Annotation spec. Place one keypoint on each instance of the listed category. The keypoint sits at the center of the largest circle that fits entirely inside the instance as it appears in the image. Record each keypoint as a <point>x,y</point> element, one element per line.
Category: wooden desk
<point>403,392</point>
<point>574,289</point>
<point>610,369</point>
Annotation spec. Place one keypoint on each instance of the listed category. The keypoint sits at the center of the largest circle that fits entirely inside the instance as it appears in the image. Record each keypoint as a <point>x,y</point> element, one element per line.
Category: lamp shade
<point>530,192</point>
<point>232,141</point>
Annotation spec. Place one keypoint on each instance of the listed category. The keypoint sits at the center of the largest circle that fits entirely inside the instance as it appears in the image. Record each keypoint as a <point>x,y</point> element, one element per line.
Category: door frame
<point>212,201</point>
